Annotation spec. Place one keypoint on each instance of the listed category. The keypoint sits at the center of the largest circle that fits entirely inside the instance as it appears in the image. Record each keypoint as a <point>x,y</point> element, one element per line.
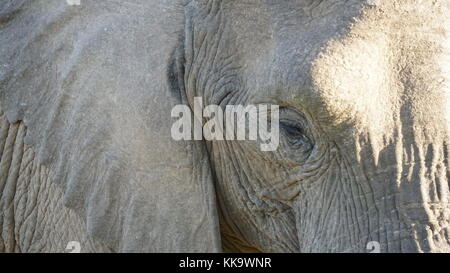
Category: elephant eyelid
<point>296,134</point>
<point>292,128</point>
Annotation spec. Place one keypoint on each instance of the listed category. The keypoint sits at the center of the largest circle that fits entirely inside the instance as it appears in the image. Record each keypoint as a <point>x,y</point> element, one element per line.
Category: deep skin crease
<point>86,153</point>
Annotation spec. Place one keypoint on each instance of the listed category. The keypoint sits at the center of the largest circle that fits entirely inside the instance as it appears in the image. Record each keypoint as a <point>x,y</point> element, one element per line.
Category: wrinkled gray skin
<point>86,154</point>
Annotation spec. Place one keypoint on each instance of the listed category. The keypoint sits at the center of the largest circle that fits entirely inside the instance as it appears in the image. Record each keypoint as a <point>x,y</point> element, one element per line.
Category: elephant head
<point>362,87</point>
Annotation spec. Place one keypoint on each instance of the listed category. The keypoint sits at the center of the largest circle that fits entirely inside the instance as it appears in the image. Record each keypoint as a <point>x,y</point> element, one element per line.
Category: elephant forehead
<point>357,63</point>
<point>390,63</point>
<point>285,35</point>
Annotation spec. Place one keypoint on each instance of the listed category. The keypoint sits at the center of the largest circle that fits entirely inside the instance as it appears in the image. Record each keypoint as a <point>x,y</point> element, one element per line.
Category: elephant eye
<point>295,135</point>
<point>292,129</point>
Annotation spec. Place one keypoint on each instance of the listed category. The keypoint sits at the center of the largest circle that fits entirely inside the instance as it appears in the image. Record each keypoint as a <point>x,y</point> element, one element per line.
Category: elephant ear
<point>95,84</point>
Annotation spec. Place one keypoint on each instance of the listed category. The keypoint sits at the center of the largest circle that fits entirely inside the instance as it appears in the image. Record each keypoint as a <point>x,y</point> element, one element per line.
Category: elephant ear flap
<point>95,85</point>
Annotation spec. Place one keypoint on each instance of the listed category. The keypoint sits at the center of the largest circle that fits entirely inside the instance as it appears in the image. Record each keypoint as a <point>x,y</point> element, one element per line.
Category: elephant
<point>86,93</point>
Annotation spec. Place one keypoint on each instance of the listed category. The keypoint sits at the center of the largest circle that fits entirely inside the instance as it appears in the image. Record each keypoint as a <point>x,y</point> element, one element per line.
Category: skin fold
<point>86,152</point>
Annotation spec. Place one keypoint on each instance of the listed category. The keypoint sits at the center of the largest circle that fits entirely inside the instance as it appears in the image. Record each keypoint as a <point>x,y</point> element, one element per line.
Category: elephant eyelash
<point>292,128</point>
<point>295,133</point>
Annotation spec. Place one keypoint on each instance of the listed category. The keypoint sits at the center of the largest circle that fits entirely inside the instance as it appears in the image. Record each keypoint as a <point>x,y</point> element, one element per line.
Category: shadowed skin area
<point>86,153</point>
